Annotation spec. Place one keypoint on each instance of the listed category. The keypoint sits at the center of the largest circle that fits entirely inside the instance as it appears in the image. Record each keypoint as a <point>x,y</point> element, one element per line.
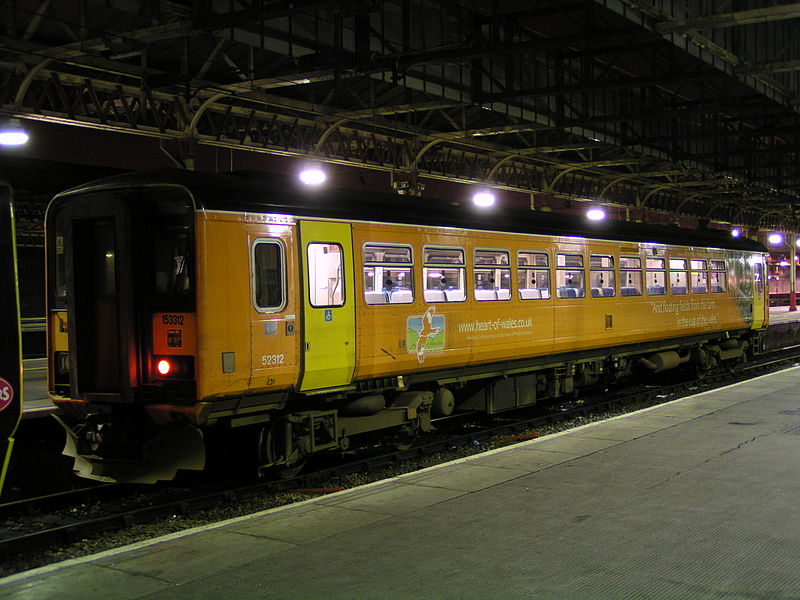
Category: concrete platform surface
<point>696,499</point>
<point>782,314</point>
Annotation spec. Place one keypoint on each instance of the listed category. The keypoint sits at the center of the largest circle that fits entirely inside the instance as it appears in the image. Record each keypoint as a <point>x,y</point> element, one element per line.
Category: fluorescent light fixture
<point>313,175</point>
<point>13,134</point>
<point>775,238</point>
<point>484,199</point>
<point>595,214</point>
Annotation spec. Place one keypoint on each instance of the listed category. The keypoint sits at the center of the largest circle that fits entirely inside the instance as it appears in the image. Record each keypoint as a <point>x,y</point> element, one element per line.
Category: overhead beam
<point>597,86</point>
<point>731,19</point>
<point>780,66</point>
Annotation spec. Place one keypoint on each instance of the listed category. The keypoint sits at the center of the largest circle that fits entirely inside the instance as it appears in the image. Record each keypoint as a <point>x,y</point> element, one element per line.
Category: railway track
<point>115,507</point>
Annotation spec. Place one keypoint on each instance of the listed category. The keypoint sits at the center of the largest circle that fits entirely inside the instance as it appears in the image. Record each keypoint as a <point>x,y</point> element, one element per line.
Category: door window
<point>268,276</point>
<point>325,275</point>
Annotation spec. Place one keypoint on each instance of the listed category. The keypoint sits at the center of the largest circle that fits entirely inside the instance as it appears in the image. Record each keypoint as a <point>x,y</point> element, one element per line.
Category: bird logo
<point>426,332</point>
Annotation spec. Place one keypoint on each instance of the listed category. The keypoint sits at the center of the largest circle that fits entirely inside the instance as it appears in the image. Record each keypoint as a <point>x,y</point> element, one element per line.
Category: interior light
<point>163,367</point>
<point>736,232</point>
<point>775,238</point>
<point>313,175</point>
<point>13,134</point>
<point>595,214</point>
<point>484,199</point>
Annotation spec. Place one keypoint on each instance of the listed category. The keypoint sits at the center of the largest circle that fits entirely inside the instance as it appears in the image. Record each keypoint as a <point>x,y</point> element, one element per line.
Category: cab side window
<point>388,274</point>
<point>269,288</point>
<point>533,275</point>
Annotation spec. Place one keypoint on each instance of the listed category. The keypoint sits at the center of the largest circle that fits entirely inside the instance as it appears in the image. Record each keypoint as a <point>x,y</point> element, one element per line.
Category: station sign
<point>10,339</point>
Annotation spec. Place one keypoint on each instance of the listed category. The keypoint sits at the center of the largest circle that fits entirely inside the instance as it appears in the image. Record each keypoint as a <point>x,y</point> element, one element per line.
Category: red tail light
<point>173,367</point>
<point>164,367</point>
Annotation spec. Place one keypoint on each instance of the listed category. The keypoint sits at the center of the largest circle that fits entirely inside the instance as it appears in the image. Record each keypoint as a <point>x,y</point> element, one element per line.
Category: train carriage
<point>183,303</point>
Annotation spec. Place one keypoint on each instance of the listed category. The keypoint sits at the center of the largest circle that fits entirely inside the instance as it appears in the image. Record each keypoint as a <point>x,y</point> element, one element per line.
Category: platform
<point>782,314</point>
<point>695,499</point>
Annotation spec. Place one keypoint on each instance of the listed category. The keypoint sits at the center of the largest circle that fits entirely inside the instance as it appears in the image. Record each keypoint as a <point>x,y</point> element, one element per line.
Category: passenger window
<point>718,277</point>
<point>492,275</point>
<point>656,277</point>
<point>268,276</point>
<point>388,275</point>
<point>601,276</point>
<point>678,276</point>
<point>444,273</point>
<point>533,275</point>
<point>630,274</point>
<point>569,276</point>
<point>699,276</point>
<point>325,275</point>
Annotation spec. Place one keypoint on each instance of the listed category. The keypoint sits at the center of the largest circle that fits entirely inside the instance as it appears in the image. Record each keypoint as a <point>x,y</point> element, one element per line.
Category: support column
<point>792,275</point>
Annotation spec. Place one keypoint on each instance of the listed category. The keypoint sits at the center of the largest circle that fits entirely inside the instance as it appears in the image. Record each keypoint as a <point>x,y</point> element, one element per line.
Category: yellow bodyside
<point>227,320</point>
<point>494,331</point>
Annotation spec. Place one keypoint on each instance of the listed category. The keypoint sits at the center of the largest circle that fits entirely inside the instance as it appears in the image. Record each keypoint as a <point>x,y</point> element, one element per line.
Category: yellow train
<point>184,303</point>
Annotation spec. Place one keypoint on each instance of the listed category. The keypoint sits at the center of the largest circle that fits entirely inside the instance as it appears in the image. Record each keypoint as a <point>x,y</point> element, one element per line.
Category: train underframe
<point>277,433</point>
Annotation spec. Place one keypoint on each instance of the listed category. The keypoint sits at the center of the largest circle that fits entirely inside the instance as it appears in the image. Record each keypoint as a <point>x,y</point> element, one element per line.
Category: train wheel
<point>272,448</point>
<point>403,438</point>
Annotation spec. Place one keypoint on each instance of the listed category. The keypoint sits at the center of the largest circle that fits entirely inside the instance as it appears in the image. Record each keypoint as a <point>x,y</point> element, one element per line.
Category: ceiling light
<point>313,175</point>
<point>595,214</point>
<point>484,199</point>
<point>775,238</point>
<point>13,134</point>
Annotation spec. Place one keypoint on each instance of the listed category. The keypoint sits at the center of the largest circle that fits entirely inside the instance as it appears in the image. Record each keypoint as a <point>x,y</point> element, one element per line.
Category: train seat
<point>678,289</point>
<point>504,294</point>
<point>568,292</point>
<point>456,295</point>
<point>628,291</point>
<point>481,295</point>
<point>376,297</point>
<point>401,297</point>
<point>699,289</point>
<point>530,294</point>
<point>656,290</point>
<point>597,292</point>
<point>608,292</point>
<point>434,296</point>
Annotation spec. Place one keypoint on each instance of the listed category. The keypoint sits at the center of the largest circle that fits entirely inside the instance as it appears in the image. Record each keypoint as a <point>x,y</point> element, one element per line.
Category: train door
<point>326,255</point>
<point>759,293</point>
<point>90,264</point>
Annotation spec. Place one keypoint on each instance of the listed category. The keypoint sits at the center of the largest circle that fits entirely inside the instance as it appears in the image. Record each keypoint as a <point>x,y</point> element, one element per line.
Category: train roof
<point>264,192</point>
